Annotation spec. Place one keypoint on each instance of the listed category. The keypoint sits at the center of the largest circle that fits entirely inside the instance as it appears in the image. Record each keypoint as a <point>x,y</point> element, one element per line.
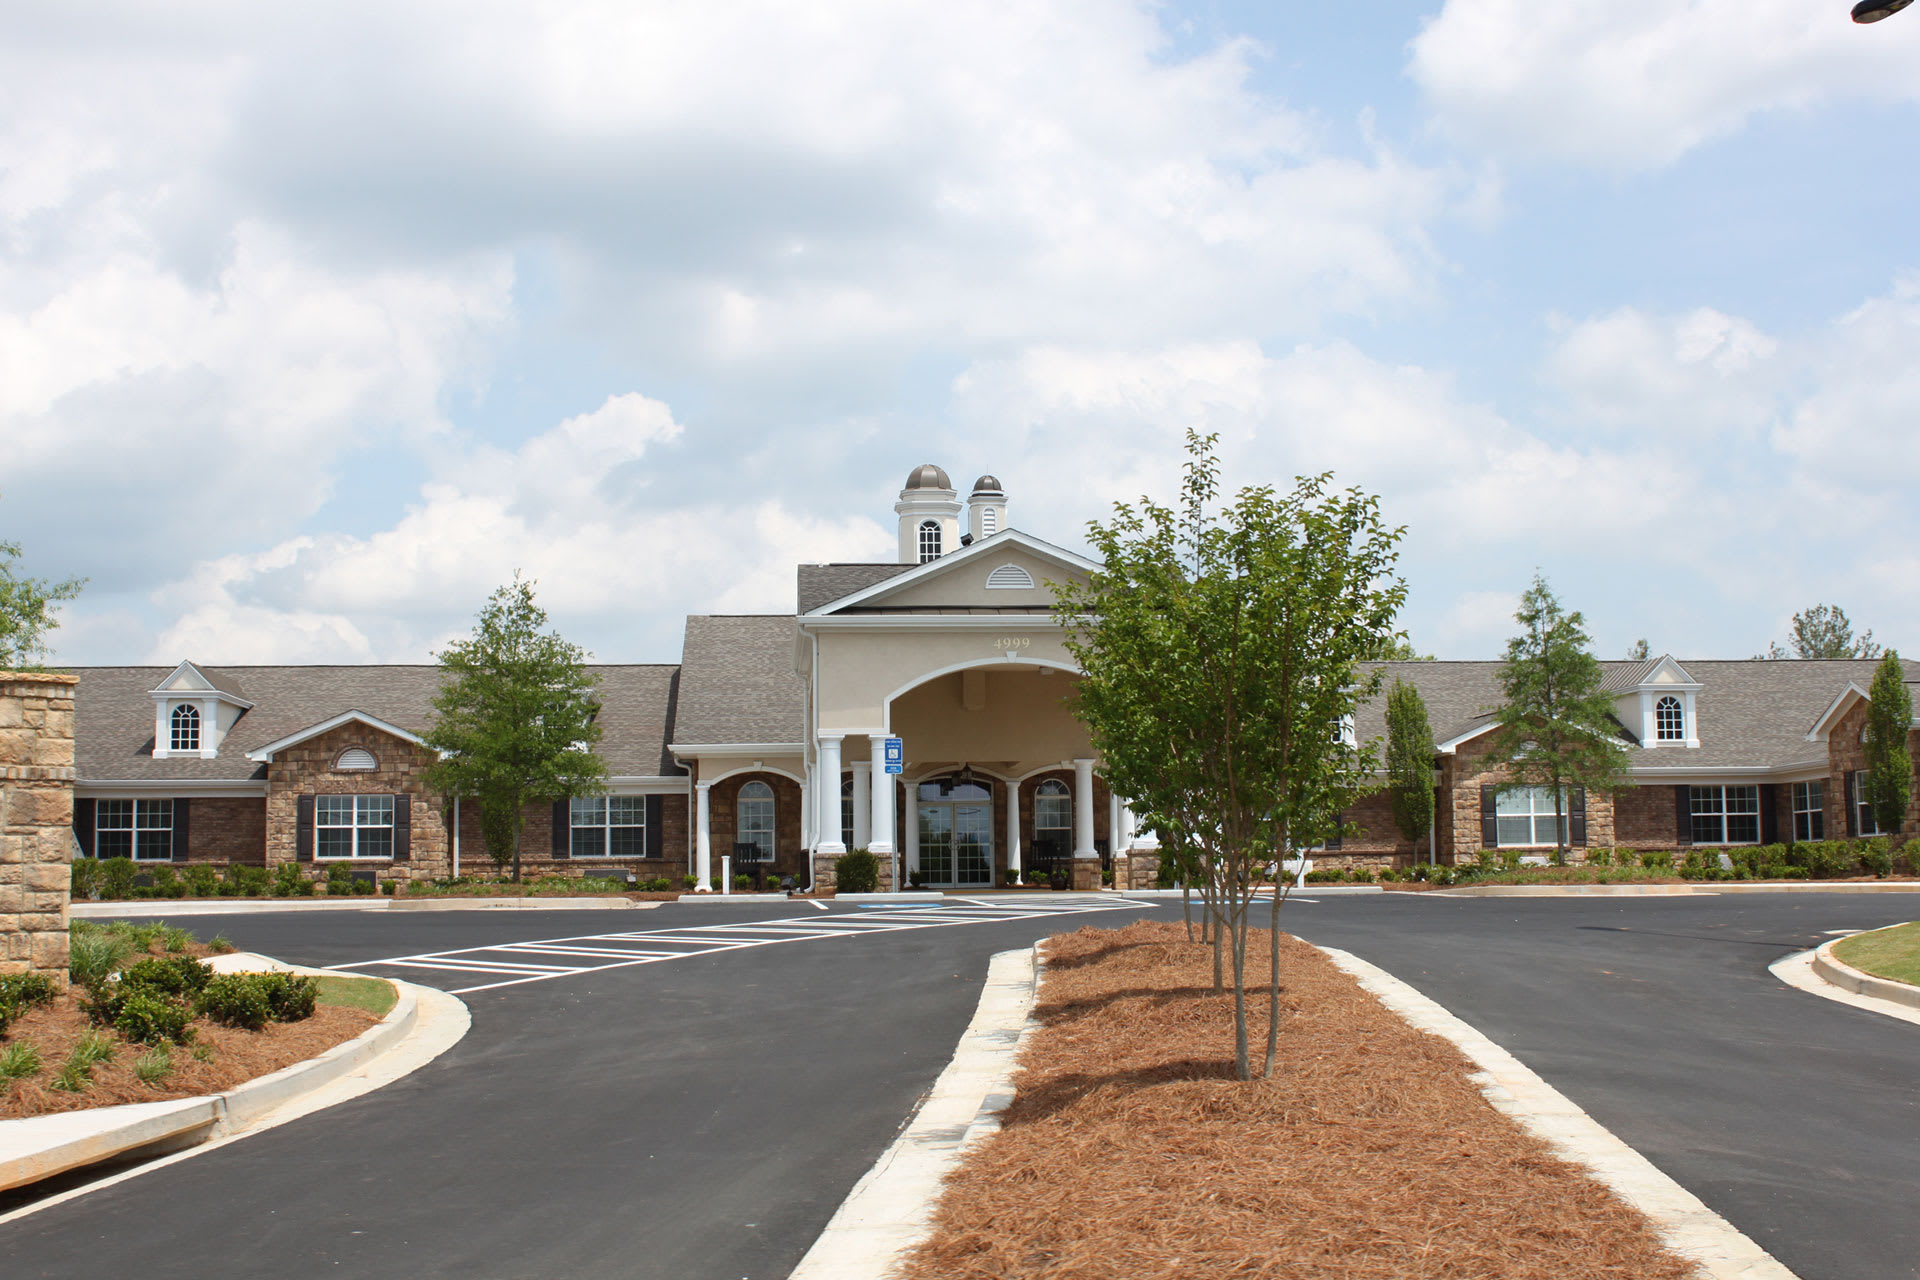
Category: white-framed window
<point>1864,823</point>
<point>1524,818</point>
<point>137,829</point>
<point>1669,720</point>
<point>184,728</point>
<point>846,811</point>
<point>1726,815</point>
<point>1053,813</point>
<point>608,826</point>
<point>1810,810</point>
<point>353,827</point>
<point>929,540</point>
<point>356,760</point>
<point>754,823</point>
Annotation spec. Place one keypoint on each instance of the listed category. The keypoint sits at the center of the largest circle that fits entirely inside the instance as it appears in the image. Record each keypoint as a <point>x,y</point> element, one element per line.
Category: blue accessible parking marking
<point>515,963</point>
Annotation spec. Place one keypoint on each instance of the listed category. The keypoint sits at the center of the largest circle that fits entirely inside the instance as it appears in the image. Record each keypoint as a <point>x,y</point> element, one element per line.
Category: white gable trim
<point>204,689</point>
<point>1685,682</point>
<point>998,543</point>
<point>1835,709</point>
<point>264,755</point>
<point>1447,748</point>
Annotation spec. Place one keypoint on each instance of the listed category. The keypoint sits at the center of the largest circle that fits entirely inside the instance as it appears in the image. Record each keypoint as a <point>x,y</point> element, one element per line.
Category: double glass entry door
<point>956,835</point>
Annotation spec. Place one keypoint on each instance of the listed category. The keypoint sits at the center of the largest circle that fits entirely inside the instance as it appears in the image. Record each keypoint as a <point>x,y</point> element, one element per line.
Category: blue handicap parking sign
<point>896,755</point>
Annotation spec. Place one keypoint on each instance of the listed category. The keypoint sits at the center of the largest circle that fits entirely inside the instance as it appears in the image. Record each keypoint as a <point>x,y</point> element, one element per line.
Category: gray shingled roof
<point>1750,712</point>
<point>824,583</point>
<point>113,715</point>
<point>737,682</point>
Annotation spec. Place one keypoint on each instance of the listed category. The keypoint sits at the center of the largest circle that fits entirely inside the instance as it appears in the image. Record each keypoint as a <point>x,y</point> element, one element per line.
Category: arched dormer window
<point>184,728</point>
<point>1669,720</point>
<point>929,541</point>
<point>356,760</point>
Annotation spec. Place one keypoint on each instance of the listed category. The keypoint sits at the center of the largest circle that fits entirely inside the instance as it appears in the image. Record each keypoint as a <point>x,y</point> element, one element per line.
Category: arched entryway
<point>954,816</point>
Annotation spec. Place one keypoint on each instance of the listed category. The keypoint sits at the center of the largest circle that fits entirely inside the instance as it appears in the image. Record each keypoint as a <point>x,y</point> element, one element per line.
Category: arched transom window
<point>1670,720</point>
<point>929,540</point>
<point>356,760</point>
<point>185,726</point>
<point>755,826</point>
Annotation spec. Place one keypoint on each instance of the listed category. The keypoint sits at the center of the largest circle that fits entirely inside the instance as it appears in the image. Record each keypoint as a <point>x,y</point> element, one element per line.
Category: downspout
<point>456,837</point>
<point>813,721</point>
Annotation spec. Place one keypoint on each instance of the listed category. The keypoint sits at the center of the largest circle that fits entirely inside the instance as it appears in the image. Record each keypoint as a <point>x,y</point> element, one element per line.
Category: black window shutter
<point>1683,815</point>
<point>402,828</point>
<point>182,841</point>
<point>1769,813</point>
<point>1853,802</point>
<point>1489,818</point>
<point>656,826</point>
<point>562,828</point>
<point>1577,818</point>
<point>303,831</point>
<point>1333,838</point>
<point>83,825</point>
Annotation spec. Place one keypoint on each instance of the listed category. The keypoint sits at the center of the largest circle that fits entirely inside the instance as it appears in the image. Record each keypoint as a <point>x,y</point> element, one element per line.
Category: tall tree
<point>1557,728</point>
<point>27,609</point>
<point>1221,653</point>
<point>1638,651</point>
<point>1410,763</point>
<point>1889,763</point>
<point>1824,632</point>
<point>515,719</point>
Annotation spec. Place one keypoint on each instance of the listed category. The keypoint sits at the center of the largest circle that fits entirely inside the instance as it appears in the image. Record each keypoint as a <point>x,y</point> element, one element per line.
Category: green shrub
<point>153,1066</point>
<point>1035,875</point>
<point>18,1061</point>
<point>1442,875</point>
<point>1821,859</point>
<point>235,1000</point>
<point>743,882</point>
<point>288,882</point>
<point>202,881</point>
<point>1657,860</point>
<point>248,882</point>
<point>1876,856</point>
<point>221,945</point>
<point>339,879</point>
<point>85,882</point>
<point>116,877</point>
<point>167,883</point>
<point>290,996</point>
<point>20,992</point>
<point>93,954</point>
<point>147,1017</point>
<point>856,871</point>
<point>1599,858</point>
<point>1910,856</point>
<point>173,975</point>
<point>690,883</point>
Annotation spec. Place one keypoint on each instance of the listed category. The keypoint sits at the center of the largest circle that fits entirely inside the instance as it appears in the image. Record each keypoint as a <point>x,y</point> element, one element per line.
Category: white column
<point>880,838</point>
<point>1083,810</point>
<point>1123,830</point>
<point>1013,829</point>
<point>827,797</point>
<point>862,804</point>
<point>702,838</point>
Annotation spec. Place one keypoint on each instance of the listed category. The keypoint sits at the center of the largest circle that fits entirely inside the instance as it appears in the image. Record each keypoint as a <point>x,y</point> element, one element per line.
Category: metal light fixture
<point>965,777</point>
<point>1874,10</point>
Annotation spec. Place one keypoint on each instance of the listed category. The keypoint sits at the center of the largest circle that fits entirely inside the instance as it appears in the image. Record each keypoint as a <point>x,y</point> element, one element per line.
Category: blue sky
<point>315,326</point>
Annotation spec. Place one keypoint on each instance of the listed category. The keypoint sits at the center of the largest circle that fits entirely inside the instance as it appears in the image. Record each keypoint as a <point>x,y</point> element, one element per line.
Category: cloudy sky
<point>318,322</point>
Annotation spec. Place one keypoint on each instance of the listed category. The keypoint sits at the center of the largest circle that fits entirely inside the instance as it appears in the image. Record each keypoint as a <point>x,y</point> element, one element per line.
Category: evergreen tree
<point>515,719</point>
<point>1889,764</point>
<point>1557,728</point>
<point>1824,632</point>
<point>1410,762</point>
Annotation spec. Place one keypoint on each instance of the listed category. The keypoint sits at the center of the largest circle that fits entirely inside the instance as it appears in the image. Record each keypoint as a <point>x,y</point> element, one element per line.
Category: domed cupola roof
<point>928,476</point>
<point>987,484</point>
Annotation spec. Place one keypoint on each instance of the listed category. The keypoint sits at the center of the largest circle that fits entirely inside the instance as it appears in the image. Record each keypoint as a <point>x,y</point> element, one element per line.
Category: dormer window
<point>1670,720</point>
<point>929,541</point>
<point>185,728</point>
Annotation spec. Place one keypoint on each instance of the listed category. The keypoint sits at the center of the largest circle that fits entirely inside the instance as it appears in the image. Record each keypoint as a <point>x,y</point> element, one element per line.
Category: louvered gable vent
<point>1010,577</point>
<point>356,760</point>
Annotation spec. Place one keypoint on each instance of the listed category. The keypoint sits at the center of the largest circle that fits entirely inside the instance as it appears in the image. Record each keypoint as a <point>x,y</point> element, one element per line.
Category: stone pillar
<point>1086,858</point>
<point>703,838</point>
<point>827,795</point>
<point>862,804</point>
<point>1013,830</point>
<point>36,821</point>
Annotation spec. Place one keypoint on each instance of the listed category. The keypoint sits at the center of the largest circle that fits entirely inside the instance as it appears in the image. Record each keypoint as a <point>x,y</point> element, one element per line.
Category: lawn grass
<point>1885,953</point>
<point>375,995</point>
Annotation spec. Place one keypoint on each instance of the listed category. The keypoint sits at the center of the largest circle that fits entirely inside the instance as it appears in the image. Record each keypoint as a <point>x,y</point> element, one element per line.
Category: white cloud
<point>1694,374</point>
<point>1637,83</point>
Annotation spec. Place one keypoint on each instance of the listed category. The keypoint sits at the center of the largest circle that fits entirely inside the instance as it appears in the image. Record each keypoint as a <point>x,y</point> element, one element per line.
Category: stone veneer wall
<point>36,821</point>
<point>536,845</point>
<point>308,769</point>
<point>1845,753</point>
<point>1467,770</point>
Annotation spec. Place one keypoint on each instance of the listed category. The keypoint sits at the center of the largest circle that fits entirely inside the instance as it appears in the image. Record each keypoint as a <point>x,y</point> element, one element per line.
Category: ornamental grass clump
<point>93,954</point>
<point>76,1073</point>
<point>18,1061</point>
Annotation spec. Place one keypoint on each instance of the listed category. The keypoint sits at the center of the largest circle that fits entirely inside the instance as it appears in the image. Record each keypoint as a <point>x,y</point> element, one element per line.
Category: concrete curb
<point>164,908</point>
<point>1300,891</point>
<point>1818,973</point>
<point>41,1147</point>
<point>1683,1221</point>
<point>519,904</point>
<point>1704,888</point>
<point>1861,983</point>
<point>889,1210</point>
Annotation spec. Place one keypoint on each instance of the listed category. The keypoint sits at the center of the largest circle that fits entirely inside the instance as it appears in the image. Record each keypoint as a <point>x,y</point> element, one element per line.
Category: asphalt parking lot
<point>703,1115</point>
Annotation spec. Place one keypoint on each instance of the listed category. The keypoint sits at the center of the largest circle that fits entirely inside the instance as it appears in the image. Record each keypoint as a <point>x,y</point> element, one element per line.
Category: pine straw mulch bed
<point>1130,1152</point>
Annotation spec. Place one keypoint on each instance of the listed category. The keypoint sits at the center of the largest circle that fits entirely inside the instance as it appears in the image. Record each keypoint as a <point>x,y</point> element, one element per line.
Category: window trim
<point>1534,816</point>
<point>136,810</point>
<point>1064,792</point>
<point>1812,805</point>
<point>391,826</point>
<point>932,541</point>
<point>1669,728</point>
<point>1864,823</point>
<point>184,728</point>
<point>1723,813</point>
<point>770,851</point>
<point>606,826</point>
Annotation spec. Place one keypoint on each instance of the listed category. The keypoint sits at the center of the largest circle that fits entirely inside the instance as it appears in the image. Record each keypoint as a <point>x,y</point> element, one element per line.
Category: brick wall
<point>309,769</point>
<point>789,857</point>
<point>1649,818</point>
<point>1845,752</point>
<point>36,821</point>
<point>536,845</point>
<point>225,829</point>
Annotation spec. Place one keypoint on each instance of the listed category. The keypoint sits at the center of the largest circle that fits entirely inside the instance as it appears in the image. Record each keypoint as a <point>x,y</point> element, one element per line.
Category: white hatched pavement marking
<point>702,940</point>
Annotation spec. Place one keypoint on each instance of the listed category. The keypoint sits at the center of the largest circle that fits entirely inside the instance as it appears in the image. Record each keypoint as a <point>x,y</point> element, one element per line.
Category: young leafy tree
<point>1221,651</point>
<point>1889,763</point>
<point>1638,651</point>
<point>1824,632</point>
<point>26,609</point>
<point>1556,726</point>
<point>1410,762</point>
<point>515,719</point>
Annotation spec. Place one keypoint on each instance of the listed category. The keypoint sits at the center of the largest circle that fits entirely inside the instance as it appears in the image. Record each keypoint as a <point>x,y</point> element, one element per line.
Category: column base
<point>1086,875</point>
<point>1143,868</point>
